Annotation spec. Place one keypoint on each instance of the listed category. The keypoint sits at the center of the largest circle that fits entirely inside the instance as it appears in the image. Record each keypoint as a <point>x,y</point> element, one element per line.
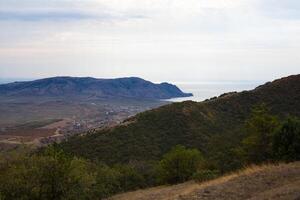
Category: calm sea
<point>10,80</point>
<point>206,90</point>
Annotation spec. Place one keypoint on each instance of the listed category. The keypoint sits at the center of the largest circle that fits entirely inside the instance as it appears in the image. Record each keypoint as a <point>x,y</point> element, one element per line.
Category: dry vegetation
<point>29,119</point>
<point>255,182</point>
<point>29,136</point>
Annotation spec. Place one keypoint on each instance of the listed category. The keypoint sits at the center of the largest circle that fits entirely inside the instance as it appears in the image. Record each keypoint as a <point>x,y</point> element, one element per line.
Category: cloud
<point>211,38</point>
<point>57,15</point>
<point>71,10</point>
<point>280,9</point>
<point>46,15</point>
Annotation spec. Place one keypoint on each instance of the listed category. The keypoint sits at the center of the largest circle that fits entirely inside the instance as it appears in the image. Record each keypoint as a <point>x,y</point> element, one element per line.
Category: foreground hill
<point>213,126</point>
<point>91,87</point>
<point>258,182</point>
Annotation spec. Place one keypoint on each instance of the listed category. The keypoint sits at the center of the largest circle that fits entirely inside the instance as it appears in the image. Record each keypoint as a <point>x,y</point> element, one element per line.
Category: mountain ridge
<point>128,87</point>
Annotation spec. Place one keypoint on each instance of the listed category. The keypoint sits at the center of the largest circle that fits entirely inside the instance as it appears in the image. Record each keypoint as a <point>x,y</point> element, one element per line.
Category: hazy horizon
<point>14,79</point>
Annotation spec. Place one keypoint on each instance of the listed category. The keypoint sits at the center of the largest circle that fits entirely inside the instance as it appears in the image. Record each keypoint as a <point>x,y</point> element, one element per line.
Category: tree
<point>179,165</point>
<point>130,178</point>
<point>107,182</point>
<point>257,146</point>
<point>50,176</point>
<point>286,141</point>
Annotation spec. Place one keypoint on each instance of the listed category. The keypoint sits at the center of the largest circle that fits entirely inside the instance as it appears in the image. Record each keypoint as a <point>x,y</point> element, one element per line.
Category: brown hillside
<point>257,182</point>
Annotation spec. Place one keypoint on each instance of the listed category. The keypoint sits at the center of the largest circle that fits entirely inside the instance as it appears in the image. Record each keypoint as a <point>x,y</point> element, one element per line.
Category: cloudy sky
<point>160,40</point>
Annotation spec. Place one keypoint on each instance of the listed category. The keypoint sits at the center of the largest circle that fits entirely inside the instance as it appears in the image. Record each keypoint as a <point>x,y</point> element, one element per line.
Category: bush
<point>117,179</point>
<point>179,165</point>
<point>205,175</point>
<point>52,175</point>
<point>286,141</point>
<point>257,146</point>
<point>129,178</point>
<point>107,182</point>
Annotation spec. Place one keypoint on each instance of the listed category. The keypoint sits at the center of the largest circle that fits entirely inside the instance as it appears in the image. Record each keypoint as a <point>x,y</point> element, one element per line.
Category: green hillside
<point>213,126</point>
<point>169,145</point>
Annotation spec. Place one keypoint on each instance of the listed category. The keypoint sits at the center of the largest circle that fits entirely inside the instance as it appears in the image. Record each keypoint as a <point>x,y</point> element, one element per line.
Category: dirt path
<point>255,183</point>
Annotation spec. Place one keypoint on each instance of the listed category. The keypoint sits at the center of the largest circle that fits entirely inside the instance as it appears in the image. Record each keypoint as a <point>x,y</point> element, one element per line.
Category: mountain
<point>90,87</point>
<point>213,126</point>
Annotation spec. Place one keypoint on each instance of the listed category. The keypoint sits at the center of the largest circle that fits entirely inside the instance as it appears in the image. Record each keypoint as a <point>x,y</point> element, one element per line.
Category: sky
<point>159,40</point>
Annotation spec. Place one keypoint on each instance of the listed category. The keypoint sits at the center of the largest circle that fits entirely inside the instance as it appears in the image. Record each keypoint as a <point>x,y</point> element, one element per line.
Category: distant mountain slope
<point>90,87</point>
<point>212,126</point>
<point>258,182</point>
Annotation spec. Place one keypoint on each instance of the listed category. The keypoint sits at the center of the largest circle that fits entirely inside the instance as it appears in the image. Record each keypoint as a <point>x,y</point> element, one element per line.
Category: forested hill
<point>131,87</point>
<point>213,126</point>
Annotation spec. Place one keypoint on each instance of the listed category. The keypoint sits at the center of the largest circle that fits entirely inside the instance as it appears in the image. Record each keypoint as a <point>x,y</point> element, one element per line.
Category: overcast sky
<point>159,40</point>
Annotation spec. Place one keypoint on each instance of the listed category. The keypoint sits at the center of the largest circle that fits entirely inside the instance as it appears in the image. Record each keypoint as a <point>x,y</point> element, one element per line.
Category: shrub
<point>286,141</point>
<point>107,182</point>
<point>257,146</point>
<point>129,178</point>
<point>205,175</point>
<point>52,175</point>
<point>179,165</point>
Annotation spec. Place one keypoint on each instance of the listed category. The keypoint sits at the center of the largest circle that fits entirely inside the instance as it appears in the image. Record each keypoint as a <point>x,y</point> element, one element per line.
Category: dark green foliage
<point>179,165</point>
<point>129,178</point>
<point>286,141</point>
<point>107,182</point>
<point>257,146</point>
<point>215,127</point>
<point>52,176</point>
<point>120,178</point>
<point>147,169</point>
<point>270,139</point>
<point>225,159</point>
<point>205,175</point>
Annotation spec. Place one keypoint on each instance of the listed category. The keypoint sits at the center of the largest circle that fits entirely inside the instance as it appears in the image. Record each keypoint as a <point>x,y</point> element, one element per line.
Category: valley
<point>50,110</point>
<point>43,121</point>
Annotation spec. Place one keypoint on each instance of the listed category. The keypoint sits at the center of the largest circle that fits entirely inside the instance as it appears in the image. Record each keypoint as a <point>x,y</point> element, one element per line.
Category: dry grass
<point>60,124</point>
<point>254,182</point>
<point>162,192</point>
<point>242,172</point>
<point>27,136</point>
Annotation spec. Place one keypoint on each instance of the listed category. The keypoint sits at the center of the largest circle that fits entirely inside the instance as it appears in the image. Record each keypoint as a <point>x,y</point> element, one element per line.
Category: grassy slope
<point>256,182</point>
<point>204,125</point>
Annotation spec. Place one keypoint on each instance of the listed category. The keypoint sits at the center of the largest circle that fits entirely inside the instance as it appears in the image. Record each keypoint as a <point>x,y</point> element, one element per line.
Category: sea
<point>10,80</point>
<point>206,90</point>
